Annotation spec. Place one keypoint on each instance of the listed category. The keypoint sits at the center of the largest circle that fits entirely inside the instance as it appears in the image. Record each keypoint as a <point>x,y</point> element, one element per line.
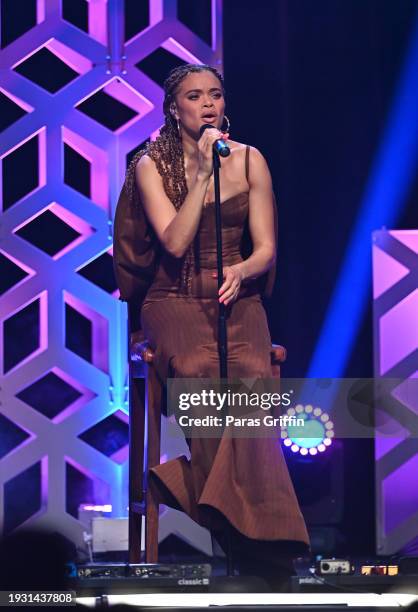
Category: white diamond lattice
<point>103,61</point>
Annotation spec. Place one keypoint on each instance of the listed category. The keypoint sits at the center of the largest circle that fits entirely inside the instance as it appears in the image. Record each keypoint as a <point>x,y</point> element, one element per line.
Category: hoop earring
<point>228,124</point>
<point>178,128</point>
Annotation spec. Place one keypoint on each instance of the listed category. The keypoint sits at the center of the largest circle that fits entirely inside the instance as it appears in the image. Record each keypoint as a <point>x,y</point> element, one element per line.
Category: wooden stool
<point>141,500</point>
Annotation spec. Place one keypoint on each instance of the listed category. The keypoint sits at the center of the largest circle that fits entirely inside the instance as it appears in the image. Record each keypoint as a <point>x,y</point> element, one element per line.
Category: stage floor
<point>281,601</point>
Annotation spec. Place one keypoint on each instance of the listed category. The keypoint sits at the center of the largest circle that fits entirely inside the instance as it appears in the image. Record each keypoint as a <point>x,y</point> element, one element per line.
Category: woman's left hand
<point>233,278</point>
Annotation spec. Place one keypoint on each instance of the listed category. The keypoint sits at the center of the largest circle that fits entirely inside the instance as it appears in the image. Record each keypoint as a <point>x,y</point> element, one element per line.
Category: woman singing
<point>242,484</point>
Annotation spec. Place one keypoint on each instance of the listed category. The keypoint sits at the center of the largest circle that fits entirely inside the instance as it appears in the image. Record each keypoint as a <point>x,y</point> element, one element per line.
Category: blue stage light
<point>391,176</point>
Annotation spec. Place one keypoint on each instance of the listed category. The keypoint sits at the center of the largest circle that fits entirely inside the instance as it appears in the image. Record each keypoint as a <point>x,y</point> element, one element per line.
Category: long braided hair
<point>167,153</point>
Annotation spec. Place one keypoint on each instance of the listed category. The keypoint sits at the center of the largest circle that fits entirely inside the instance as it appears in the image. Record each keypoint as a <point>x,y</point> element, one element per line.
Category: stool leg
<point>136,465</point>
<point>155,394</point>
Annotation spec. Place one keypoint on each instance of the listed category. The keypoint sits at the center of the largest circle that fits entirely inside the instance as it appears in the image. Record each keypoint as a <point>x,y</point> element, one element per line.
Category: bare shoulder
<point>147,175</point>
<point>238,152</point>
<point>238,149</point>
<point>258,169</point>
<point>145,166</point>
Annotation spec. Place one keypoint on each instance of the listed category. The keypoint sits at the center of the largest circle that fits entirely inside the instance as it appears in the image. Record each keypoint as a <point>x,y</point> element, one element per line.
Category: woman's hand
<point>233,278</point>
<point>205,147</point>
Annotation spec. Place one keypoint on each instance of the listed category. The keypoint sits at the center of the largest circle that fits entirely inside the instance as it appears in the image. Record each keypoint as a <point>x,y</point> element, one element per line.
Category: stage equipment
<point>222,335</point>
<point>355,584</point>
<point>334,566</point>
<point>109,534</point>
<point>187,575</point>
<point>97,570</point>
<point>97,578</point>
<point>379,570</point>
<point>88,512</point>
<point>319,482</point>
<point>314,437</point>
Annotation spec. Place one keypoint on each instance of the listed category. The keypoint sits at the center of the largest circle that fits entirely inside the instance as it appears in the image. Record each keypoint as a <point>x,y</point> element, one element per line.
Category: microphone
<point>219,145</point>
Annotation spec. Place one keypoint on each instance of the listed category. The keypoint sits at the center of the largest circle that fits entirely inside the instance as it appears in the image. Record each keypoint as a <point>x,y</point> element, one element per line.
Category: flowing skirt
<point>240,481</point>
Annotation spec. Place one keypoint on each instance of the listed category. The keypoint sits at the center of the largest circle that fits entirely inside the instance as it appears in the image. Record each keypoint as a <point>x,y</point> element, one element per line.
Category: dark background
<point>310,84</point>
<point>312,89</point>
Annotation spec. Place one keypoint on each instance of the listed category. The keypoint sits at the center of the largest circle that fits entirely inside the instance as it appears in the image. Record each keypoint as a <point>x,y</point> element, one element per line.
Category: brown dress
<point>242,481</point>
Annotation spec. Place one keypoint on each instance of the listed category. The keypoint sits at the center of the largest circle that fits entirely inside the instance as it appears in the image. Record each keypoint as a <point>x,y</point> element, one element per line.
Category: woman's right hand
<point>205,147</point>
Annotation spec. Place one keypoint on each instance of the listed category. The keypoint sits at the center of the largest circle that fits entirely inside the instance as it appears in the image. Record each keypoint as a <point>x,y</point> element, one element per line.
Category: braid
<point>167,153</point>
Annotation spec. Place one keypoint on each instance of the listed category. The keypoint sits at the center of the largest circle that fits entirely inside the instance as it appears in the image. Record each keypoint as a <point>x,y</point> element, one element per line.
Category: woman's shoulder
<point>143,170</point>
<point>148,156</point>
<point>146,166</point>
<point>139,163</point>
<point>243,153</point>
<point>239,149</point>
<point>144,160</point>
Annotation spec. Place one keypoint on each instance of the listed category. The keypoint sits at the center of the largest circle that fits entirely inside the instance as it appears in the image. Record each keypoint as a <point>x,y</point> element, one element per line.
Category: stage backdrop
<point>395,293</point>
<point>80,94</point>
<point>327,91</point>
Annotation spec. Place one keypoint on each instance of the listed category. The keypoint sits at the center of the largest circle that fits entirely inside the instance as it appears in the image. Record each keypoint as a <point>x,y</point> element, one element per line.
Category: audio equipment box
<point>143,577</point>
<point>334,566</point>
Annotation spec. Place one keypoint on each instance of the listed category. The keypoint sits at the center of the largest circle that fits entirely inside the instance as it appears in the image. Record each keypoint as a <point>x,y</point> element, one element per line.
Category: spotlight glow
<point>313,436</point>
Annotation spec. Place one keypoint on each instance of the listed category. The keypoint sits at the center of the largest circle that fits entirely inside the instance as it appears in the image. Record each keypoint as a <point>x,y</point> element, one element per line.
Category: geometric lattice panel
<point>395,313</point>
<point>11,436</point>
<point>110,436</point>
<point>22,496</point>
<point>81,90</point>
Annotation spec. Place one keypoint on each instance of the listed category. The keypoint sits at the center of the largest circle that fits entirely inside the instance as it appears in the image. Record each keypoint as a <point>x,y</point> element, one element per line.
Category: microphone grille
<point>204,127</point>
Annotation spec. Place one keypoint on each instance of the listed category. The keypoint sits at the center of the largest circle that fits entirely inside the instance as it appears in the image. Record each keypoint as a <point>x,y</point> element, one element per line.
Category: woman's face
<point>199,100</point>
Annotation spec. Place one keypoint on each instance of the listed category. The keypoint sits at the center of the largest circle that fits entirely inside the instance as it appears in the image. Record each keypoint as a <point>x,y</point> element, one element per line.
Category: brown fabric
<point>136,251</point>
<point>243,482</point>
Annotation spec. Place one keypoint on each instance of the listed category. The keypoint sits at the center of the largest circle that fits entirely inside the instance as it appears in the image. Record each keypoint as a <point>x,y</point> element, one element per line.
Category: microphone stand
<point>222,339</point>
<point>222,336</point>
<point>231,583</point>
